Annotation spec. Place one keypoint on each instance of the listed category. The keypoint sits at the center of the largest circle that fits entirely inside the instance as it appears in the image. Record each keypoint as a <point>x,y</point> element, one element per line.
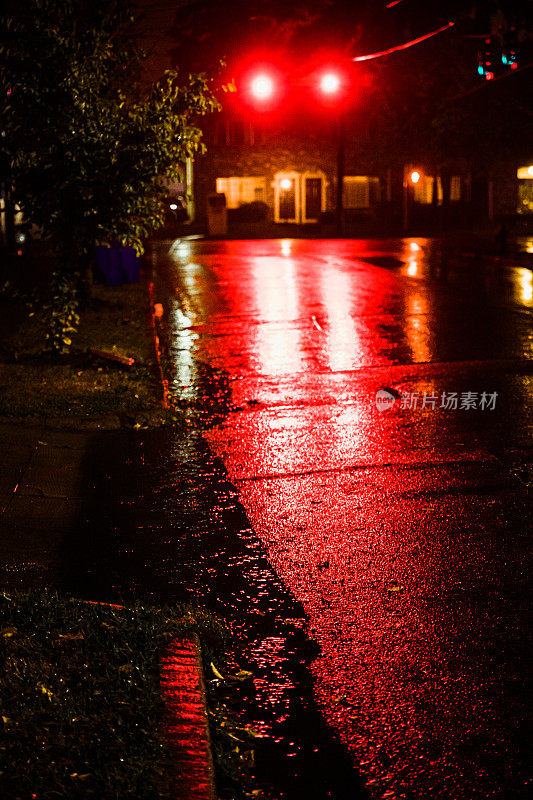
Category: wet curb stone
<point>186,725</point>
<point>162,382</point>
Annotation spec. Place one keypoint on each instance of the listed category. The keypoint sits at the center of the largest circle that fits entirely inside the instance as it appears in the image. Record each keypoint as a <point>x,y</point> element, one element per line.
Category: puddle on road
<point>166,527</point>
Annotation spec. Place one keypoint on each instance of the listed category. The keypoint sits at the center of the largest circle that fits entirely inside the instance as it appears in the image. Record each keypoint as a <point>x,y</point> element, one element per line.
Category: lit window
<point>525,197</point>
<point>239,191</point>
<point>455,189</point>
<point>423,190</point>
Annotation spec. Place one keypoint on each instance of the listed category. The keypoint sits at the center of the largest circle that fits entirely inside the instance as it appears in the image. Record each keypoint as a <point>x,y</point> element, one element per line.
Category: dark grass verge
<point>76,388</point>
<point>81,709</point>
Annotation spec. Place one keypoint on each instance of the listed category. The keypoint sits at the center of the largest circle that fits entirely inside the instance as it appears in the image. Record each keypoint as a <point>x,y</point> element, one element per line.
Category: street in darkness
<point>322,442</point>
<point>399,524</point>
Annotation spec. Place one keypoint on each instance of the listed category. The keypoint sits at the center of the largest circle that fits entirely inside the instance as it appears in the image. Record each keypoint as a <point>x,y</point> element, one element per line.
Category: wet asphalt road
<point>403,532</point>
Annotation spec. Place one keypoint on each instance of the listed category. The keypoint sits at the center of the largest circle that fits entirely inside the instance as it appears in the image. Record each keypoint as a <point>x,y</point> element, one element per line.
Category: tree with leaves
<point>86,153</point>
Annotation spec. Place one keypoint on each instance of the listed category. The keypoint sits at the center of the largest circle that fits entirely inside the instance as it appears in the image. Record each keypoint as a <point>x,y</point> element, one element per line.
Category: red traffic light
<point>262,86</point>
<point>330,83</point>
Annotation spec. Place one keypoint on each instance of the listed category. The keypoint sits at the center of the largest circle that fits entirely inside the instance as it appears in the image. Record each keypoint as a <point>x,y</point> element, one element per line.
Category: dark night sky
<point>197,32</point>
<point>194,34</point>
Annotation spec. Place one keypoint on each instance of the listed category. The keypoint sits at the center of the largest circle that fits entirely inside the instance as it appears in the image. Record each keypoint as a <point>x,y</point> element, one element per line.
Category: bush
<point>249,212</point>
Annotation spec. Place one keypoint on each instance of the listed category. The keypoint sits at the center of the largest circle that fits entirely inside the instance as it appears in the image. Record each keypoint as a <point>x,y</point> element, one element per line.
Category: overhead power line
<point>405,45</point>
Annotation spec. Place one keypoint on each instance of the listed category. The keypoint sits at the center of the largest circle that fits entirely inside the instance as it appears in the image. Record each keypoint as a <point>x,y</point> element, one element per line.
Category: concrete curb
<point>509,261</point>
<point>186,726</point>
<point>163,383</point>
<point>186,721</point>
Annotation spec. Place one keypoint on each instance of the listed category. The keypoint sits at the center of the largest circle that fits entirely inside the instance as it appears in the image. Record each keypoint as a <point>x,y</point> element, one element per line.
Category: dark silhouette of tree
<point>84,152</point>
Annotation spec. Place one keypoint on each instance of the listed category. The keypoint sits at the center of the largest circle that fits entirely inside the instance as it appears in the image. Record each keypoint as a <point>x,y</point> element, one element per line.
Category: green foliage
<point>86,151</point>
<point>61,313</point>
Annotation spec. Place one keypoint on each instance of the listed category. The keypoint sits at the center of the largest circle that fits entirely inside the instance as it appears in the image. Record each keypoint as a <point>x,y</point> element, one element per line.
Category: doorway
<point>299,197</point>
<point>313,199</point>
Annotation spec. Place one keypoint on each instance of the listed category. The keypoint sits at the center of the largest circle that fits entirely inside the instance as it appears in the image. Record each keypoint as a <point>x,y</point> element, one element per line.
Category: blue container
<point>130,264</point>
<point>108,266</point>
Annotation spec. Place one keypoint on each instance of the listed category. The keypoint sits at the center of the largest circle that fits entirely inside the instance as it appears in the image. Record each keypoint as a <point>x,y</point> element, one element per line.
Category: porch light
<point>415,176</point>
<point>285,184</point>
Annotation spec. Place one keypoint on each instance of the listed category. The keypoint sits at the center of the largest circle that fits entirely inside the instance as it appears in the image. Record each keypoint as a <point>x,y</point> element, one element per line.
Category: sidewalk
<point>43,487</point>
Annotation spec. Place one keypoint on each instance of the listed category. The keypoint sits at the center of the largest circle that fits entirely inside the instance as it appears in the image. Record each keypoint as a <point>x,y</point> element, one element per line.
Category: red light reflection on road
<point>417,328</point>
<point>343,345</point>
<point>278,340</point>
<point>364,514</point>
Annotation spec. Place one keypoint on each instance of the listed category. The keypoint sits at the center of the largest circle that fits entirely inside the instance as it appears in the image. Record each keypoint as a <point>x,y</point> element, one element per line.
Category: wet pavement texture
<point>402,535</point>
<point>163,524</point>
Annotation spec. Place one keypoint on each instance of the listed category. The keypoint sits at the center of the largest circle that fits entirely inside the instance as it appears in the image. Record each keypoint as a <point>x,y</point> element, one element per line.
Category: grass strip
<point>80,385</point>
<point>81,709</point>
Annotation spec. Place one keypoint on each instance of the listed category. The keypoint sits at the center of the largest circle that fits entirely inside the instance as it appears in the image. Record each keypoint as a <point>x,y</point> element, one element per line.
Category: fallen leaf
<point>216,673</point>
<point>243,675</point>
<point>396,587</point>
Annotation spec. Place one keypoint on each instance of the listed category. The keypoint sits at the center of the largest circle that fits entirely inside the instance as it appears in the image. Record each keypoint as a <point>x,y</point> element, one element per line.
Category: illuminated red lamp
<point>262,86</point>
<point>330,83</point>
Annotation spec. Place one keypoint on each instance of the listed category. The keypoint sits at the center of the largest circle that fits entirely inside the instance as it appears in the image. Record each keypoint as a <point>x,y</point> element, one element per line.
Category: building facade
<point>281,177</point>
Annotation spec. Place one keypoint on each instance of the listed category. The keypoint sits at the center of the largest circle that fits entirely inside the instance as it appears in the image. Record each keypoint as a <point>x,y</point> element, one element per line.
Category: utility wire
<point>405,45</point>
